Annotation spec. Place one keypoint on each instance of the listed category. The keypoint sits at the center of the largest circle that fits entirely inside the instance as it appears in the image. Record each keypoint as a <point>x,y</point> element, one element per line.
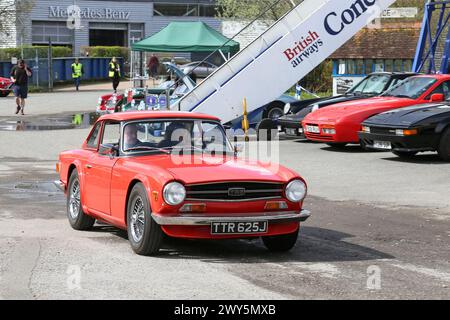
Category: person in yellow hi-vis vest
<point>77,72</point>
<point>114,73</point>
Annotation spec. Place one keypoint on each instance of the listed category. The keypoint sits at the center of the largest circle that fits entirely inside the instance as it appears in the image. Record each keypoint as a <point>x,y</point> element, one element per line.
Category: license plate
<point>382,145</point>
<point>291,132</point>
<point>239,227</point>
<point>312,129</point>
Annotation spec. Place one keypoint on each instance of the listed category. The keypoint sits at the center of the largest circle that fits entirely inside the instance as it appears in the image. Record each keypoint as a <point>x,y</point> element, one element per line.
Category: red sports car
<point>176,173</point>
<point>5,87</point>
<point>339,124</point>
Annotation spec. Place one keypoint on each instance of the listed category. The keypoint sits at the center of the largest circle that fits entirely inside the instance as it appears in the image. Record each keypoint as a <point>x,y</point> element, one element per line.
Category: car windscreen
<point>373,84</point>
<point>158,136</point>
<point>411,88</point>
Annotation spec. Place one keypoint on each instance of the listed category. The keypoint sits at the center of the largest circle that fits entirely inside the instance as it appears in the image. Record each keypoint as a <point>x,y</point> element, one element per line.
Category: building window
<point>351,66</point>
<point>379,66</point>
<point>341,67</point>
<point>407,65</point>
<point>184,10</point>
<point>368,66</point>
<point>389,65</point>
<point>58,32</point>
<point>136,31</point>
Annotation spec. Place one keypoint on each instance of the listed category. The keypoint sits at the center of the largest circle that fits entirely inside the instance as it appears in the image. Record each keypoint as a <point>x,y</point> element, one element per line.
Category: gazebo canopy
<point>187,37</point>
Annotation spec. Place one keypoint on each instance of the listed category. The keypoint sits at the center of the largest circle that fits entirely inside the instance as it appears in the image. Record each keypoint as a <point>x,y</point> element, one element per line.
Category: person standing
<point>77,72</point>
<point>19,76</point>
<point>153,65</point>
<point>114,73</point>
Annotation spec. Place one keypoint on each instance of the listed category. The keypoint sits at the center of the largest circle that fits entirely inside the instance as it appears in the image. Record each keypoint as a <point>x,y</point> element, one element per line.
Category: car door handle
<point>88,166</point>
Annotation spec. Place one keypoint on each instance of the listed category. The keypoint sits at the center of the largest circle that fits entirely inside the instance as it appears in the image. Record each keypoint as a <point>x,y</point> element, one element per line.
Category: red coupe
<point>339,124</point>
<point>5,87</point>
<point>174,173</point>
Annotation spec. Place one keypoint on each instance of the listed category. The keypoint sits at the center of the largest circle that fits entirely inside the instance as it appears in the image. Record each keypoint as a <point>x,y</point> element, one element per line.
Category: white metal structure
<point>281,56</point>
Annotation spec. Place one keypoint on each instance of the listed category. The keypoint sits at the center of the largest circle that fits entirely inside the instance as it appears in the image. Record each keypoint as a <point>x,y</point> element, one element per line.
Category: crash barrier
<point>94,69</point>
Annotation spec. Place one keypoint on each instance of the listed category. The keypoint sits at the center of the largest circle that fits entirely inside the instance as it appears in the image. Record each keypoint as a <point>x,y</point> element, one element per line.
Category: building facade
<point>82,23</point>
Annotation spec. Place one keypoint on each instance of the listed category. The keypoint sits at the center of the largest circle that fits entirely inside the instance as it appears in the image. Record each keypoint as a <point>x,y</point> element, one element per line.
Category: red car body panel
<point>5,86</point>
<point>105,186</point>
<point>346,118</point>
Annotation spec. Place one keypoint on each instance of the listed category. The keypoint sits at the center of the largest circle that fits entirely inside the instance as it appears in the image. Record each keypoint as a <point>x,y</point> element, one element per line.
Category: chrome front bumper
<point>197,220</point>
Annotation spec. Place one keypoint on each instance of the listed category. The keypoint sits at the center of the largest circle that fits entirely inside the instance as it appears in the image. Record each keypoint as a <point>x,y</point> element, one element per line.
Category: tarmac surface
<point>380,229</point>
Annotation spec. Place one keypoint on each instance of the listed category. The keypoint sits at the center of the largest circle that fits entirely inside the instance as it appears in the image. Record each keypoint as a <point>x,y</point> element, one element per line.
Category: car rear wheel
<point>337,145</point>
<point>144,234</point>
<point>281,243</point>
<point>444,145</point>
<point>405,154</point>
<point>77,218</point>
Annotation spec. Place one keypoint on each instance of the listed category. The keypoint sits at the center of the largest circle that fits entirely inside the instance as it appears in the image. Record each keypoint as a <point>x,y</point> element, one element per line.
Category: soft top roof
<point>151,115</point>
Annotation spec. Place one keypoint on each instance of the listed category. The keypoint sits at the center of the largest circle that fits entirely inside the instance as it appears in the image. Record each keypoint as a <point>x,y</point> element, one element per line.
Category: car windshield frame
<point>365,82</point>
<point>420,93</point>
<point>167,150</point>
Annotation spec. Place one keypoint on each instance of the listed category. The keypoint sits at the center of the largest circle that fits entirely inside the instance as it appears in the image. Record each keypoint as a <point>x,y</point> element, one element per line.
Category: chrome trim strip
<point>235,181</point>
<point>205,220</point>
<point>61,186</point>
<point>234,200</point>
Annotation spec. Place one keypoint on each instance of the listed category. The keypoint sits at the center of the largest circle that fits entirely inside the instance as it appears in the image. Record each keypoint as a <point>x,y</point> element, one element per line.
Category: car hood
<point>334,112</point>
<point>408,116</point>
<point>299,116</point>
<point>203,168</point>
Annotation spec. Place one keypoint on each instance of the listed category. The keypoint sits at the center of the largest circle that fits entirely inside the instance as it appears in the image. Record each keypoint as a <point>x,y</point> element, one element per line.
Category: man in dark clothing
<point>19,76</point>
<point>114,73</point>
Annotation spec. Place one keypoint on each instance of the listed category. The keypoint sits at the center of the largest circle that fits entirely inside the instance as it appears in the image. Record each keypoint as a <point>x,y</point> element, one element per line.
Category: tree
<point>270,10</point>
<point>12,13</point>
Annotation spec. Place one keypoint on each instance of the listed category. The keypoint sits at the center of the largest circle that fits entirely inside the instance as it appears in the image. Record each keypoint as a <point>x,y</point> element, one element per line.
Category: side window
<point>93,139</point>
<point>443,88</point>
<point>111,134</point>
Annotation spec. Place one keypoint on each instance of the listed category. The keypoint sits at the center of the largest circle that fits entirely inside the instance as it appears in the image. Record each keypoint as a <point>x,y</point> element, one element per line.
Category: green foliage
<point>106,52</point>
<point>251,9</point>
<point>29,52</point>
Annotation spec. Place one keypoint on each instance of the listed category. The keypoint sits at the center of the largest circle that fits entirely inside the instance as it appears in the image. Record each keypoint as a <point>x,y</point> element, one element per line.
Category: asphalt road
<point>380,229</point>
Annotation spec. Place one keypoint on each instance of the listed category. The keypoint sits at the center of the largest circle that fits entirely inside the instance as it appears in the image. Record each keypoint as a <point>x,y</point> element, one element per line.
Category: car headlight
<point>174,193</point>
<point>296,191</point>
<point>287,108</point>
<point>365,129</point>
<point>329,131</point>
<point>401,132</point>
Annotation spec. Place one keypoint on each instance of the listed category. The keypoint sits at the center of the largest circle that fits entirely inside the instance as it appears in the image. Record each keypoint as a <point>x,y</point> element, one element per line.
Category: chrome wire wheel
<point>137,221</point>
<point>74,201</point>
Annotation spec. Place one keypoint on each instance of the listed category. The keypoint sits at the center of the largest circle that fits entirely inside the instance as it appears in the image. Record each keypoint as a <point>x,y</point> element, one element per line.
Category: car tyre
<point>4,94</point>
<point>444,145</point>
<point>281,243</point>
<point>405,154</point>
<point>144,234</point>
<point>77,218</point>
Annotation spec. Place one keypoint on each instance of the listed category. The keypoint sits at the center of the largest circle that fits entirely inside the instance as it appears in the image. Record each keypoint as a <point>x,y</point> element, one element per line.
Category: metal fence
<point>46,74</point>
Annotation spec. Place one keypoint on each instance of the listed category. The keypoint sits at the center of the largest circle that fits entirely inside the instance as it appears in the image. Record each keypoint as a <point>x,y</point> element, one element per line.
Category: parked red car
<point>339,124</point>
<point>102,101</point>
<point>134,172</point>
<point>5,87</point>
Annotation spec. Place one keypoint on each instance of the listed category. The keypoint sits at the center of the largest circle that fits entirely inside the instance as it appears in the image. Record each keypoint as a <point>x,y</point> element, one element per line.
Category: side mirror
<point>437,97</point>
<point>108,150</point>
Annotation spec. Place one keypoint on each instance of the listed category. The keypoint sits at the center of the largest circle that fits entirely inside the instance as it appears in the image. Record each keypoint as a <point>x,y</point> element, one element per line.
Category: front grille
<point>318,136</point>
<point>234,191</point>
<point>387,131</point>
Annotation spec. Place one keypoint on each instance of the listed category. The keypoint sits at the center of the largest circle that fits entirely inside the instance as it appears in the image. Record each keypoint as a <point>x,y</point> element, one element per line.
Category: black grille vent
<point>234,191</point>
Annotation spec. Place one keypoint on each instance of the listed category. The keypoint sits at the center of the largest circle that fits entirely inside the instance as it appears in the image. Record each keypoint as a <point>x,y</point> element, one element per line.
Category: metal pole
<point>50,65</point>
<point>37,68</point>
